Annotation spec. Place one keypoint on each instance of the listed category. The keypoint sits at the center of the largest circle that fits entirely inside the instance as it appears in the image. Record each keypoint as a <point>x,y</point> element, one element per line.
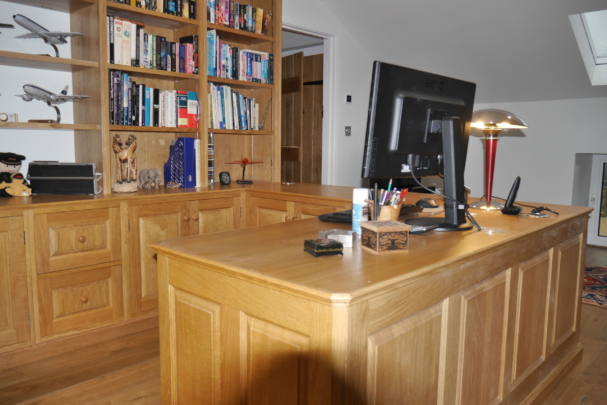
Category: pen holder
<point>386,212</point>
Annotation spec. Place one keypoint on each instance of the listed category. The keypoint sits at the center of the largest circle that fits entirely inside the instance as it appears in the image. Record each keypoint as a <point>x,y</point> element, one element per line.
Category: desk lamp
<point>492,122</point>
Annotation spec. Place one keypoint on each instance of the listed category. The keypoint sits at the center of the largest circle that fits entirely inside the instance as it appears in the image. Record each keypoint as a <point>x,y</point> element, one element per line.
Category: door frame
<point>328,122</point>
<point>599,163</point>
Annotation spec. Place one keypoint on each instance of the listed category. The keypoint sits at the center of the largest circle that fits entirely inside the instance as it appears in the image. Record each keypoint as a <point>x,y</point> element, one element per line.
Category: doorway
<point>590,189</point>
<point>302,108</point>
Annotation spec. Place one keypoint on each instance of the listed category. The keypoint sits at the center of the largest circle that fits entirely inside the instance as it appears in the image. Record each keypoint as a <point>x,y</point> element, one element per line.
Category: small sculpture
<point>243,162</point>
<point>12,183</point>
<point>149,178</point>
<point>126,164</point>
<point>38,31</point>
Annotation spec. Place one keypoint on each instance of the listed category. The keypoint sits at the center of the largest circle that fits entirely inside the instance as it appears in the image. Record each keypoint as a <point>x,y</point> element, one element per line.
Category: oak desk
<point>247,317</point>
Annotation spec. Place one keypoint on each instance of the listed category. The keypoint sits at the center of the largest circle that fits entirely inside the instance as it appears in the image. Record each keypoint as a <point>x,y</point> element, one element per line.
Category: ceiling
<point>514,50</point>
<point>292,41</point>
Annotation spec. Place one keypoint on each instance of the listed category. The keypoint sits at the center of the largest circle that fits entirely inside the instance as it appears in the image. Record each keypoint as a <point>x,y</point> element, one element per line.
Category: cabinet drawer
<point>68,240</point>
<point>78,299</point>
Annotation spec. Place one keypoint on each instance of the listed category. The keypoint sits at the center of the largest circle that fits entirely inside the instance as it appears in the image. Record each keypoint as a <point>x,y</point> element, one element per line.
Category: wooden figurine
<point>126,164</point>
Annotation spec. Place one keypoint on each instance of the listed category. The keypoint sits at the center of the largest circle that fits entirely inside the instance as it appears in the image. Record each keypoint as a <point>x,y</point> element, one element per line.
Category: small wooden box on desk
<point>385,236</point>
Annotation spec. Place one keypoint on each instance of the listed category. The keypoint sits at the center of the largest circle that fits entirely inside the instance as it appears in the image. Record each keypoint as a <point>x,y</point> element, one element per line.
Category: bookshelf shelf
<point>57,5</point>
<point>149,17</point>
<point>241,84</point>
<point>244,37</point>
<point>34,125</point>
<point>25,60</point>
<point>153,72</point>
<point>129,128</point>
<point>239,132</point>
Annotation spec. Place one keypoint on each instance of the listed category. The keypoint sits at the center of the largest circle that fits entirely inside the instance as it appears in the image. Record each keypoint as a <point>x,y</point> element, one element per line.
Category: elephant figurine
<point>149,178</point>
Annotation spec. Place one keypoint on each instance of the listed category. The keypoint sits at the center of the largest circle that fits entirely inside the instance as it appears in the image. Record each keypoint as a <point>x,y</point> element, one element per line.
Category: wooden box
<point>385,236</point>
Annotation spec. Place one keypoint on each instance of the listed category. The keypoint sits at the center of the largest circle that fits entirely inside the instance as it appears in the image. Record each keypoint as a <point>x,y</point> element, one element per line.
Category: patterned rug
<point>595,286</point>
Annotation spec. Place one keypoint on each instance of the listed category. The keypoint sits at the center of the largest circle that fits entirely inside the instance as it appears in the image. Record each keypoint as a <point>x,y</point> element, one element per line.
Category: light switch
<point>348,131</point>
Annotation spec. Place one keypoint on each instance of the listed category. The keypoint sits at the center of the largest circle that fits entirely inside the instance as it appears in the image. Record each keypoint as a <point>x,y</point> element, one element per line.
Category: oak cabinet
<point>270,209</point>
<point>216,214</point>
<point>147,224</point>
<point>72,239</point>
<point>78,299</point>
<point>14,319</point>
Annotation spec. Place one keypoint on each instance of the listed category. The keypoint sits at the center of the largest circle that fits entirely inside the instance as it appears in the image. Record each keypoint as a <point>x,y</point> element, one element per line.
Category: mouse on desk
<point>427,203</point>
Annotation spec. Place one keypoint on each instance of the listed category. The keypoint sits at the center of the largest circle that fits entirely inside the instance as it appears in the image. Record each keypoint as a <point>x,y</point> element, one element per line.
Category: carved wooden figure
<point>126,164</point>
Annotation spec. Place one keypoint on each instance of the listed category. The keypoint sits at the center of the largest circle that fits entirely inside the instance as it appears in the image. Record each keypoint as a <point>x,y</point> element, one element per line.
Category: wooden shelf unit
<point>90,67</point>
<point>25,60</point>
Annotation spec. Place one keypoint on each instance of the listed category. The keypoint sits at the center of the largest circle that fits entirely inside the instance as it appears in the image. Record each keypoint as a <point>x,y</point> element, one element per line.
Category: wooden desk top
<point>274,253</point>
<point>315,190</point>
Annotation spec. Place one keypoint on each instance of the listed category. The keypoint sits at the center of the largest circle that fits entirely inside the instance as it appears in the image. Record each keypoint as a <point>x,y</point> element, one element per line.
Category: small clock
<point>224,178</point>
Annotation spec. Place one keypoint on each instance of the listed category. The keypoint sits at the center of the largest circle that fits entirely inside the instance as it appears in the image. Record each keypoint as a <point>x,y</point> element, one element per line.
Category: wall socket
<point>348,131</point>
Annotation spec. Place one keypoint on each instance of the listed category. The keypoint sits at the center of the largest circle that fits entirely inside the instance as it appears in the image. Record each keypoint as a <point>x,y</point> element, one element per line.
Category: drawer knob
<point>186,218</point>
<point>81,238</point>
<point>195,218</point>
<point>84,300</point>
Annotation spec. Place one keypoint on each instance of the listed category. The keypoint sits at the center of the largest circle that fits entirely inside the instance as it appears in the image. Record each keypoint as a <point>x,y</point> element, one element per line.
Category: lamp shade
<point>496,119</point>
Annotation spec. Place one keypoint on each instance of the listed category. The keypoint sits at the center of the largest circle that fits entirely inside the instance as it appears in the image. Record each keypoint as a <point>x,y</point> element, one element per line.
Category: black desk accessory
<point>510,208</point>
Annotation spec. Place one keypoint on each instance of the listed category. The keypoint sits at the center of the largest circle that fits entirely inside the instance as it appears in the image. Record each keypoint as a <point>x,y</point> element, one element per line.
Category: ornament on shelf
<point>126,164</point>
<point>149,178</point>
<point>12,183</point>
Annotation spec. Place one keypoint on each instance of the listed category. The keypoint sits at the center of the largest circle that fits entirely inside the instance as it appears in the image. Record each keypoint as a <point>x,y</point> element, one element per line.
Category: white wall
<point>342,156</point>
<point>34,145</point>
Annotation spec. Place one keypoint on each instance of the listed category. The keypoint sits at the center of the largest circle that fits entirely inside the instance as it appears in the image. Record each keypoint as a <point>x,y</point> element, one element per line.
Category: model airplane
<point>38,31</point>
<point>243,162</point>
<point>33,92</point>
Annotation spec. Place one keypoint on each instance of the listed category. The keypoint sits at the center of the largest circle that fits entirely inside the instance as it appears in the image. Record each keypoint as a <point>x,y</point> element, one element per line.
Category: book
<point>192,39</point>
<point>110,32</point>
<point>127,34</point>
<point>117,41</point>
<point>193,109</point>
<point>197,166</point>
<point>148,106</point>
<point>155,116</point>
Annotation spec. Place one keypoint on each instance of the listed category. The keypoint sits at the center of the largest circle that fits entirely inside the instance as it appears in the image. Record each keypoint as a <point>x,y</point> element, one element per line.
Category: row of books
<point>135,104</point>
<point>238,16</point>
<point>129,44</point>
<point>228,62</point>
<point>229,109</point>
<point>211,159</point>
<point>180,8</point>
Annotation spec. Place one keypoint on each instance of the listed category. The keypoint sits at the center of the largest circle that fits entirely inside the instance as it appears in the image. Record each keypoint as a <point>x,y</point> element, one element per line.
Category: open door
<point>302,114</point>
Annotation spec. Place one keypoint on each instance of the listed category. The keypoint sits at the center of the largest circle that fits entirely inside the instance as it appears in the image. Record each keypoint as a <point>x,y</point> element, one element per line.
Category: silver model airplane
<point>33,92</point>
<point>38,31</point>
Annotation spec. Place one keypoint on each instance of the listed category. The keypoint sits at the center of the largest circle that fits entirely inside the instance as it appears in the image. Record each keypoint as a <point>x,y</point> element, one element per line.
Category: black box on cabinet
<point>63,178</point>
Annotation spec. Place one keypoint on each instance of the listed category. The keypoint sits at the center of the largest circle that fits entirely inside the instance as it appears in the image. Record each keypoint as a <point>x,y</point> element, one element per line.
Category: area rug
<point>595,286</point>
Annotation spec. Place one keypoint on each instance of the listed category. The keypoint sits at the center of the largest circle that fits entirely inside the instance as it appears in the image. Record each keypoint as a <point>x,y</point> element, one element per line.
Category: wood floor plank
<point>87,354</point>
<point>102,387</point>
<point>36,387</point>
<point>144,394</point>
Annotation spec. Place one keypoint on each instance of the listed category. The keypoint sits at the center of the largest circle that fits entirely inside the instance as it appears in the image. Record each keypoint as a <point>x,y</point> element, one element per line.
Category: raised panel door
<point>68,240</point>
<point>530,328</point>
<point>403,360</point>
<point>216,215</point>
<point>14,326</point>
<point>74,300</point>
<point>151,223</point>
<point>266,211</point>
<point>566,298</point>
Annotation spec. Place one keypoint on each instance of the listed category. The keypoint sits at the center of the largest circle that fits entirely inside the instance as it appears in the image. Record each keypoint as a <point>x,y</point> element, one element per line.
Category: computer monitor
<point>418,125</point>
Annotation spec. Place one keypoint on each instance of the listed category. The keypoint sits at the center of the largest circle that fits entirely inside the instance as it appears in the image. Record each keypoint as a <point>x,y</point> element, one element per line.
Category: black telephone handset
<point>510,208</point>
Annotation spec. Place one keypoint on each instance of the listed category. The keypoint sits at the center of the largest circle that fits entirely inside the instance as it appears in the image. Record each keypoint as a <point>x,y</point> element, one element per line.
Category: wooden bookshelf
<point>130,128</point>
<point>153,72</point>
<point>149,17</point>
<point>44,62</point>
<point>37,125</point>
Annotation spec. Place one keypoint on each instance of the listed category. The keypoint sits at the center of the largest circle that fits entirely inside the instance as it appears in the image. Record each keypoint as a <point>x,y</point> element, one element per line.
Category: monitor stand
<point>455,212</point>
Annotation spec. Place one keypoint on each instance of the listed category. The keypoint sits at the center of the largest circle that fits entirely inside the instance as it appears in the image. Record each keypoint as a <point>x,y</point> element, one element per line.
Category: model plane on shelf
<point>38,31</point>
<point>33,92</point>
<point>243,162</point>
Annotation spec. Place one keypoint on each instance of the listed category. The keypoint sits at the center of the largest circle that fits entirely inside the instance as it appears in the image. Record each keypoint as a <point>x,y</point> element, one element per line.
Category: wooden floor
<point>125,371</point>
